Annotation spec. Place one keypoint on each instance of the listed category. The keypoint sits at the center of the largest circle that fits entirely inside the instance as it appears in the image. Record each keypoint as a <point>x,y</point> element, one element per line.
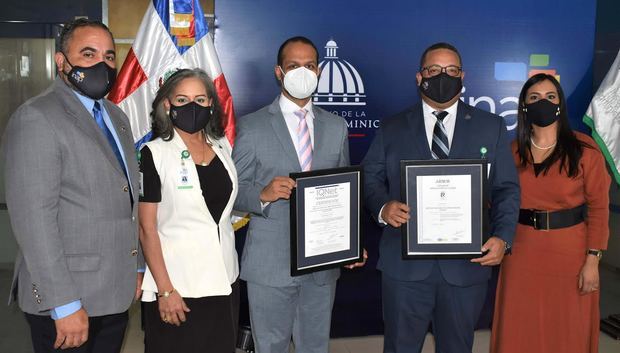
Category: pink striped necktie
<point>304,144</point>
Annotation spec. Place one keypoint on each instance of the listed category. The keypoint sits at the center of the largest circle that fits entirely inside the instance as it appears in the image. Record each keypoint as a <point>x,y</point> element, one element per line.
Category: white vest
<point>198,263</point>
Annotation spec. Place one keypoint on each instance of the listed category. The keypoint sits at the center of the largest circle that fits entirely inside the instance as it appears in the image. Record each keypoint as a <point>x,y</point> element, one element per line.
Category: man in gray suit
<point>71,180</point>
<point>290,135</point>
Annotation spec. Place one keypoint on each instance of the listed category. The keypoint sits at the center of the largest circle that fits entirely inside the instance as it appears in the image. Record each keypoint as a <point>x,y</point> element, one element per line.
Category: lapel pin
<point>483,152</point>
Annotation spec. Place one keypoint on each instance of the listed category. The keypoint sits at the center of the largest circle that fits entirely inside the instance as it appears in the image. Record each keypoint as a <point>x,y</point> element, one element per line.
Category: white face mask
<point>300,82</point>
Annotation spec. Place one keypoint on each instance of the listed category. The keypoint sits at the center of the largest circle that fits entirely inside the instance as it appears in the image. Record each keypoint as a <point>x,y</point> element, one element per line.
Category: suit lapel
<point>461,131</point>
<point>281,130</point>
<point>320,144</point>
<point>125,137</point>
<point>85,122</point>
<point>415,119</point>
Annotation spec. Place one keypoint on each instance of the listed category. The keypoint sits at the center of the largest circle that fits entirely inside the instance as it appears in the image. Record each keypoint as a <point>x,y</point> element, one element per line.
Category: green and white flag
<point>603,117</point>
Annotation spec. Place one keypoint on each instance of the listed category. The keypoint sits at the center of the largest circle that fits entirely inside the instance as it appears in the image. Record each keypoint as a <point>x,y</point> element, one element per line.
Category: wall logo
<point>341,91</point>
<point>514,72</point>
<point>517,71</point>
<point>340,83</point>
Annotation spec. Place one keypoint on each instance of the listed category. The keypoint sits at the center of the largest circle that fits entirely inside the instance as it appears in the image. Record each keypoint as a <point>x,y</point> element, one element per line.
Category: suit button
<point>125,188</point>
<point>34,291</point>
<point>38,301</point>
<point>133,218</point>
<point>134,252</point>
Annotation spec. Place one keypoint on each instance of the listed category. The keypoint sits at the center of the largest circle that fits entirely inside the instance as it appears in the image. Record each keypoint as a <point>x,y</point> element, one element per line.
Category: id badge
<point>184,179</point>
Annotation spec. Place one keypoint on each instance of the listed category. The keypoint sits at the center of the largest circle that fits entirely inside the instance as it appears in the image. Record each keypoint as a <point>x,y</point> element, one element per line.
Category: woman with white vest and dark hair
<point>188,188</point>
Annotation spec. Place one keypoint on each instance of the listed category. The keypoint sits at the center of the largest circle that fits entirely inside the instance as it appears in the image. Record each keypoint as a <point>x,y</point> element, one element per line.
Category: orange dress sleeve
<point>596,192</point>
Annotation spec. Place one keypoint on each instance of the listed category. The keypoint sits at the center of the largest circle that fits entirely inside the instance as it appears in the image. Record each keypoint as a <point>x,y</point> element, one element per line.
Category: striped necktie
<point>440,148</point>
<point>304,144</point>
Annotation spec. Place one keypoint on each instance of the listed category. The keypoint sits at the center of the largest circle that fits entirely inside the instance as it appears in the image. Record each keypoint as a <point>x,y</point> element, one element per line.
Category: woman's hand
<point>588,277</point>
<point>172,309</point>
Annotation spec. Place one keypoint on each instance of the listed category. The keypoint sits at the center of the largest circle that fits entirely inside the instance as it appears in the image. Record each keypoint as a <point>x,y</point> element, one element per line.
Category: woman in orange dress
<point>547,296</point>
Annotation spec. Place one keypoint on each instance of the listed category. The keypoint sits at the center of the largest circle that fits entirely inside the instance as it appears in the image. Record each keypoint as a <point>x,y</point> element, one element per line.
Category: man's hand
<point>395,213</point>
<point>496,248</point>
<point>72,331</point>
<point>359,264</point>
<point>279,188</point>
<point>139,280</point>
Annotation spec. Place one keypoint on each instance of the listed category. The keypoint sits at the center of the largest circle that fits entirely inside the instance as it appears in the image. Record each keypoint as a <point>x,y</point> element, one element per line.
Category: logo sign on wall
<point>341,92</point>
<point>369,53</point>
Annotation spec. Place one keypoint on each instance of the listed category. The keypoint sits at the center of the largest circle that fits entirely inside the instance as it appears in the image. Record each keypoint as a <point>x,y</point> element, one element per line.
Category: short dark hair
<point>440,45</point>
<point>70,27</point>
<point>162,125</point>
<point>297,39</point>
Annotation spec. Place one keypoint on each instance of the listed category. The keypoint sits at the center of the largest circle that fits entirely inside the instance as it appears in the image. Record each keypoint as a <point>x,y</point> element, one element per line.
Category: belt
<point>546,220</point>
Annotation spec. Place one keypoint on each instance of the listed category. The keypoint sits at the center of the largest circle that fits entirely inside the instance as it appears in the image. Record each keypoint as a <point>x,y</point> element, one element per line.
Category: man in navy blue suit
<point>448,293</point>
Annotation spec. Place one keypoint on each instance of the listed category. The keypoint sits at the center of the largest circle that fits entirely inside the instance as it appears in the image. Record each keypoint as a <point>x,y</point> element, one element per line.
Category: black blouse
<point>214,181</point>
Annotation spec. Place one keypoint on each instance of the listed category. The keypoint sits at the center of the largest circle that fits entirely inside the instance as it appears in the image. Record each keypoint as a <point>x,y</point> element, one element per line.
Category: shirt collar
<point>428,110</point>
<point>288,107</point>
<point>88,102</point>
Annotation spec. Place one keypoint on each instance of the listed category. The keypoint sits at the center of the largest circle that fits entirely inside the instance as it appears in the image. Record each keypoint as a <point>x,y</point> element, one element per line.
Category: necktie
<point>106,132</point>
<point>440,148</point>
<point>304,145</point>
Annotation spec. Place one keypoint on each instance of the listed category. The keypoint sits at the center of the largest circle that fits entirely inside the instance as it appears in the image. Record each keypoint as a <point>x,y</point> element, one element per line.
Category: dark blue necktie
<point>104,128</point>
<point>440,148</point>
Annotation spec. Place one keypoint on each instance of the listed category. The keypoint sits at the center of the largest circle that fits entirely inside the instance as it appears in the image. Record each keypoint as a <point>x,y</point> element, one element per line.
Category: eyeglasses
<point>434,70</point>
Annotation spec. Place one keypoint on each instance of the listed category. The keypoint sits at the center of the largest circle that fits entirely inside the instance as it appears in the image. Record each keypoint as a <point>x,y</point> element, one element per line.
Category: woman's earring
<point>557,112</point>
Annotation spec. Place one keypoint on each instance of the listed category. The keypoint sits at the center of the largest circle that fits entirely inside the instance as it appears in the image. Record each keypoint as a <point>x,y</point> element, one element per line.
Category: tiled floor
<point>14,336</point>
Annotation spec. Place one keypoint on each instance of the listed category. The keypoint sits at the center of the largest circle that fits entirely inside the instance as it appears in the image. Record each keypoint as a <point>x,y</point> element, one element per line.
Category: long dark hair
<point>568,149</point>
<point>162,125</point>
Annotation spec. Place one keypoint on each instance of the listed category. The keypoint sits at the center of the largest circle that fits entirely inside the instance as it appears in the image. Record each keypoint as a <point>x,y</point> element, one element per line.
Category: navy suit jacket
<point>403,137</point>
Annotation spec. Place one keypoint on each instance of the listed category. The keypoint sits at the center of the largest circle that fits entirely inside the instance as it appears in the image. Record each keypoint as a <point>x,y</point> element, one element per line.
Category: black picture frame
<point>302,264</point>
<point>478,170</point>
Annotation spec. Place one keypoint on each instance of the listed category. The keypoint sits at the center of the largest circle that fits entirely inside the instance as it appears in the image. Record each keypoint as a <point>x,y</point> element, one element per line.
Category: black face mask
<point>95,81</point>
<point>441,88</point>
<point>191,117</point>
<point>542,112</point>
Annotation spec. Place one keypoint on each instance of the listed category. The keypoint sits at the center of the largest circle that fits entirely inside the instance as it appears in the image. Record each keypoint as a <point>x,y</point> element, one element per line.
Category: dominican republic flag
<point>603,117</point>
<point>173,35</point>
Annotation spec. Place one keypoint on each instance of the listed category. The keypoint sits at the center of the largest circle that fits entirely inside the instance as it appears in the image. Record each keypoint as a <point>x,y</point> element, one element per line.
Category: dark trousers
<point>409,307</point>
<point>105,334</point>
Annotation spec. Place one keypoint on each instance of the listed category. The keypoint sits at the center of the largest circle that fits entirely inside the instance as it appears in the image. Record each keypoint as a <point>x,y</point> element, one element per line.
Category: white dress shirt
<point>288,109</point>
<point>448,122</point>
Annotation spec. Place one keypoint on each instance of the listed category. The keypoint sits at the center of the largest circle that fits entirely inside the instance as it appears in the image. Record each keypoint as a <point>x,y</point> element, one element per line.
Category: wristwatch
<point>595,252</point>
<point>507,248</point>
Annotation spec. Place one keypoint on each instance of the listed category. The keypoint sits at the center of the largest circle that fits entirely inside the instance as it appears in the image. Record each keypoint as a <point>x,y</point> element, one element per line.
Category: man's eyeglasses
<point>434,70</point>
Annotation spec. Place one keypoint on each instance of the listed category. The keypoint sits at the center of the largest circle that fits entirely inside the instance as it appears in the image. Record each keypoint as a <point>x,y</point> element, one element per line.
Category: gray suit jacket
<point>69,205</point>
<point>264,149</point>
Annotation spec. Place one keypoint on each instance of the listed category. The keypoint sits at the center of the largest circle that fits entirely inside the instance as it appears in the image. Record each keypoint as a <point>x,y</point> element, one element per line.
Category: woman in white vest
<point>188,188</point>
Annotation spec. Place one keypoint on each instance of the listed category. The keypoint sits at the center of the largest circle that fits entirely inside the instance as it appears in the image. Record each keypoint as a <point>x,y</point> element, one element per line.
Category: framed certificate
<point>325,219</point>
<point>447,206</point>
